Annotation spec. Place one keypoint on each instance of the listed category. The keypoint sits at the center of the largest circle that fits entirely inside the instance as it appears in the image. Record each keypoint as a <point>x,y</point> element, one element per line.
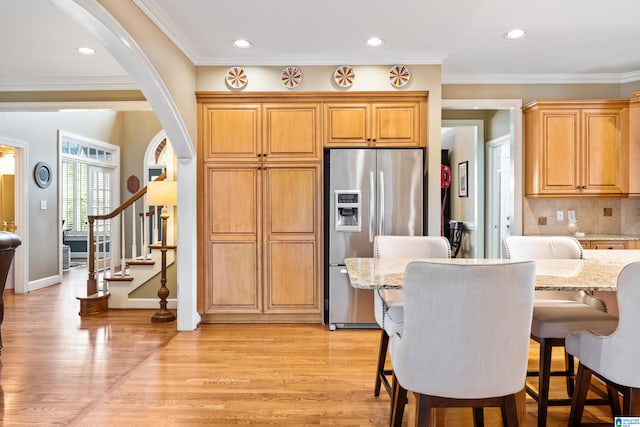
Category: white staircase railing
<point>102,266</point>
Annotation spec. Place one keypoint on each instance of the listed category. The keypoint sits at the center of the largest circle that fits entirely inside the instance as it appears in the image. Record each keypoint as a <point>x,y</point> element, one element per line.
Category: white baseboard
<point>43,283</point>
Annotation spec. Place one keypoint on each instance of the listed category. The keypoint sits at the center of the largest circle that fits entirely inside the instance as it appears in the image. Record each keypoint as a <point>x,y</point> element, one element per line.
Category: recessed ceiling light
<point>374,42</point>
<point>516,33</point>
<point>242,43</point>
<point>86,50</point>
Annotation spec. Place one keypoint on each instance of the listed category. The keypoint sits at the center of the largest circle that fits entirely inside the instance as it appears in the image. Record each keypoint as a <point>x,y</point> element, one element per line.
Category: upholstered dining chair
<point>555,314</point>
<point>388,303</point>
<point>465,340</point>
<point>613,358</point>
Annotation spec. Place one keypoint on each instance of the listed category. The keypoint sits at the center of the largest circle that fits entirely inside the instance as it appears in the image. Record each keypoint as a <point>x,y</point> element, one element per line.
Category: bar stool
<point>556,314</point>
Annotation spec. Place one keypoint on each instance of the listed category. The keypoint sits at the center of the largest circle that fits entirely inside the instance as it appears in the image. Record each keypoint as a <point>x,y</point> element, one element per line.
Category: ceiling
<point>567,41</point>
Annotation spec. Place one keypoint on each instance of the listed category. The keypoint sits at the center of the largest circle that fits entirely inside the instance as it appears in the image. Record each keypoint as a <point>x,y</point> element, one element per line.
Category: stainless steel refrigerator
<point>369,192</point>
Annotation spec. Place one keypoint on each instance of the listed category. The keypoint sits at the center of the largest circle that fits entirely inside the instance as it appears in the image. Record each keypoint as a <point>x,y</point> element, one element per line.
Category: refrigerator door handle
<point>381,188</point>
<point>372,204</point>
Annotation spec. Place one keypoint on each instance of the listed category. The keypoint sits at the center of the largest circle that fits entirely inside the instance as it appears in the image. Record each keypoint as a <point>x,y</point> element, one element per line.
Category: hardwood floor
<point>118,368</point>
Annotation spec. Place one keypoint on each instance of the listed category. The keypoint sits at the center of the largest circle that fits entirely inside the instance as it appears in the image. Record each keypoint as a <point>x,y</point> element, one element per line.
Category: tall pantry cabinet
<point>260,211</point>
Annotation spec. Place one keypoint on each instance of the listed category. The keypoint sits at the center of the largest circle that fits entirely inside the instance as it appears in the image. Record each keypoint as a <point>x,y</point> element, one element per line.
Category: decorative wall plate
<point>42,174</point>
<point>344,76</point>
<point>399,75</point>
<point>236,78</point>
<point>133,184</point>
<point>290,77</point>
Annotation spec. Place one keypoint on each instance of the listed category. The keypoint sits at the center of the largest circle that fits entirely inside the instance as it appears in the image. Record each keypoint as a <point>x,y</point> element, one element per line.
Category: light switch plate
<point>43,205</point>
<point>571,217</point>
<point>560,215</point>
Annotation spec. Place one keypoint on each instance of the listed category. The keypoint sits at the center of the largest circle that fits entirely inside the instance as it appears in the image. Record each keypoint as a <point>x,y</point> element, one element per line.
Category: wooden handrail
<point>92,282</point>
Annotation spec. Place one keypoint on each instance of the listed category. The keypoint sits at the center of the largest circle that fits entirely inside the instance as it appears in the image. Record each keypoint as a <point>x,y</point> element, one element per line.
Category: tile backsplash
<point>593,216</point>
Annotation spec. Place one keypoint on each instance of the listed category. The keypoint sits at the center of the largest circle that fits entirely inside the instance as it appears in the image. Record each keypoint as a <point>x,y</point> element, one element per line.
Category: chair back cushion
<point>403,247</point>
<point>411,247</point>
<point>615,356</point>
<point>541,247</point>
<point>466,329</point>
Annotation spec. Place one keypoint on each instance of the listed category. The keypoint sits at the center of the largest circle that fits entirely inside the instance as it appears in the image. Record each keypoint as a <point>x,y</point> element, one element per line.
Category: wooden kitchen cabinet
<point>604,244</point>
<point>249,131</point>
<point>260,220</point>
<point>399,123</point>
<point>576,148</point>
<point>263,247</point>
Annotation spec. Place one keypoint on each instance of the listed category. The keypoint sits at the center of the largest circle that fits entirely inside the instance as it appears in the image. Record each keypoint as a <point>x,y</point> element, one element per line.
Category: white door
<point>99,202</point>
<point>500,194</point>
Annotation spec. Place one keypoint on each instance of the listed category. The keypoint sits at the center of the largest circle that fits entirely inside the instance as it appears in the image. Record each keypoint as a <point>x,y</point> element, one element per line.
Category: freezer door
<point>348,306</point>
<point>352,169</point>
<point>400,191</point>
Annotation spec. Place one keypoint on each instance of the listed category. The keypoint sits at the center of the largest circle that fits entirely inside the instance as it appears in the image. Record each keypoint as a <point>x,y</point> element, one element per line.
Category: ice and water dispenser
<point>348,210</point>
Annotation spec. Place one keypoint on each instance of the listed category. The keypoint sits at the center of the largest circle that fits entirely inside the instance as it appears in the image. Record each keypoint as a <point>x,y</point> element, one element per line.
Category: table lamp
<point>163,193</point>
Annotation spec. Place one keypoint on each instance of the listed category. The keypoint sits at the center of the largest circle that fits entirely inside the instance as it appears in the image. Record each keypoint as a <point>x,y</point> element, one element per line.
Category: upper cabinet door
<point>602,151</point>
<point>560,146</point>
<point>292,132</point>
<point>232,132</point>
<point>396,123</point>
<point>347,123</point>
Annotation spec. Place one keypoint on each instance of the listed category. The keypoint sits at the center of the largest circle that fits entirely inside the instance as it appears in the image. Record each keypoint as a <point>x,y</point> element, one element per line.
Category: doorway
<point>512,200</point>
<point>15,188</point>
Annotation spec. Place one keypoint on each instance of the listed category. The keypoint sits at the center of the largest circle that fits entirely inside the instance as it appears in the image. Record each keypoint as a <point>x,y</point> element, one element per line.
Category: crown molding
<point>67,83</point>
<point>69,106</point>
<point>168,28</point>
<point>586,78</point>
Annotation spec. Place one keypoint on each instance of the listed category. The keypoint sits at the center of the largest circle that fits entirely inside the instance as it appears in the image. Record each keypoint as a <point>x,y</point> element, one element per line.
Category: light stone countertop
<point>597,271</point>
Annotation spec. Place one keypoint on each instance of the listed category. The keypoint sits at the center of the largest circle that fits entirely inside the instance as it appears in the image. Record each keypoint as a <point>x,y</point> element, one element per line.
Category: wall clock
<point>42,174</point>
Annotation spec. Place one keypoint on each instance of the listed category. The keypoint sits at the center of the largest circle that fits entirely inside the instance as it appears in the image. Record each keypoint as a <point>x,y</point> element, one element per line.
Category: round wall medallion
<point>399,75</point>
<point>42,174</point>
<point>291,77</point>
<point>236,78</point>
<point>344,76</point>
<point>133,184</point>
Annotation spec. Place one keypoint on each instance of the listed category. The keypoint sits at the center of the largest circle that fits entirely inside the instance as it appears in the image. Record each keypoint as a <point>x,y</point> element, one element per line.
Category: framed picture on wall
<point>463,179</point>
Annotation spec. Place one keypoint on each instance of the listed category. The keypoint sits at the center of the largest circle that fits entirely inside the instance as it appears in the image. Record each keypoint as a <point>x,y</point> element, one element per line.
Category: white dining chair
<point>465,341</point>
<point>612,358</point>
<point>555,314</point>
<point>388,303</point>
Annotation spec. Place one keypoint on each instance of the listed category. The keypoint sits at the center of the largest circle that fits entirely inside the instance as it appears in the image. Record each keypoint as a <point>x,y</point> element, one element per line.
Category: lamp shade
<point>162,193</point>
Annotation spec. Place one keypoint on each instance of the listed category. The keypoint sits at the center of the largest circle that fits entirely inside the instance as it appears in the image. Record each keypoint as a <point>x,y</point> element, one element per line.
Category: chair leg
<point>423,411</point>
<point>631,402</point>
<point>478,417</point>
<point>398,402</point>
<point>614,400</point>
<point>382,357</point>
<point>583,380</point>
<point>509,411</point>
<point>569,366</point>
<point>544,375</point>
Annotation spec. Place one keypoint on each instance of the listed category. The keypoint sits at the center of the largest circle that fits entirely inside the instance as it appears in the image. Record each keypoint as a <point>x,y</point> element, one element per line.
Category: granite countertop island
<point>597,271</point>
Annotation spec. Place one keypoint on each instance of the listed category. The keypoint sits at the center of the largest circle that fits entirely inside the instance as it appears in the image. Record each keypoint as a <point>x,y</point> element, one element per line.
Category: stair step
<point>119,278</point>
<point>140,262</point>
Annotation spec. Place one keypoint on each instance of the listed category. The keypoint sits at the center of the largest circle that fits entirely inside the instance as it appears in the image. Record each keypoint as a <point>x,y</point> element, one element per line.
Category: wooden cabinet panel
<point>292,277</point>
<point>608,244</point>
<point>234,199</point>
<point>347,123</point>
<point>292,199</point>
<point>396,123</point>
<point>560,151</point>
<point>576,148</point>
<point>231,131</point>
<point>234,267</point>
<point>292,132</point>
<point>602,151</point>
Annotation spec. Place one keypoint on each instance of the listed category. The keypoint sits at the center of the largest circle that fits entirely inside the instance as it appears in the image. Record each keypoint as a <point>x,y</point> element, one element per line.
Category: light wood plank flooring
<point>118,368</point>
